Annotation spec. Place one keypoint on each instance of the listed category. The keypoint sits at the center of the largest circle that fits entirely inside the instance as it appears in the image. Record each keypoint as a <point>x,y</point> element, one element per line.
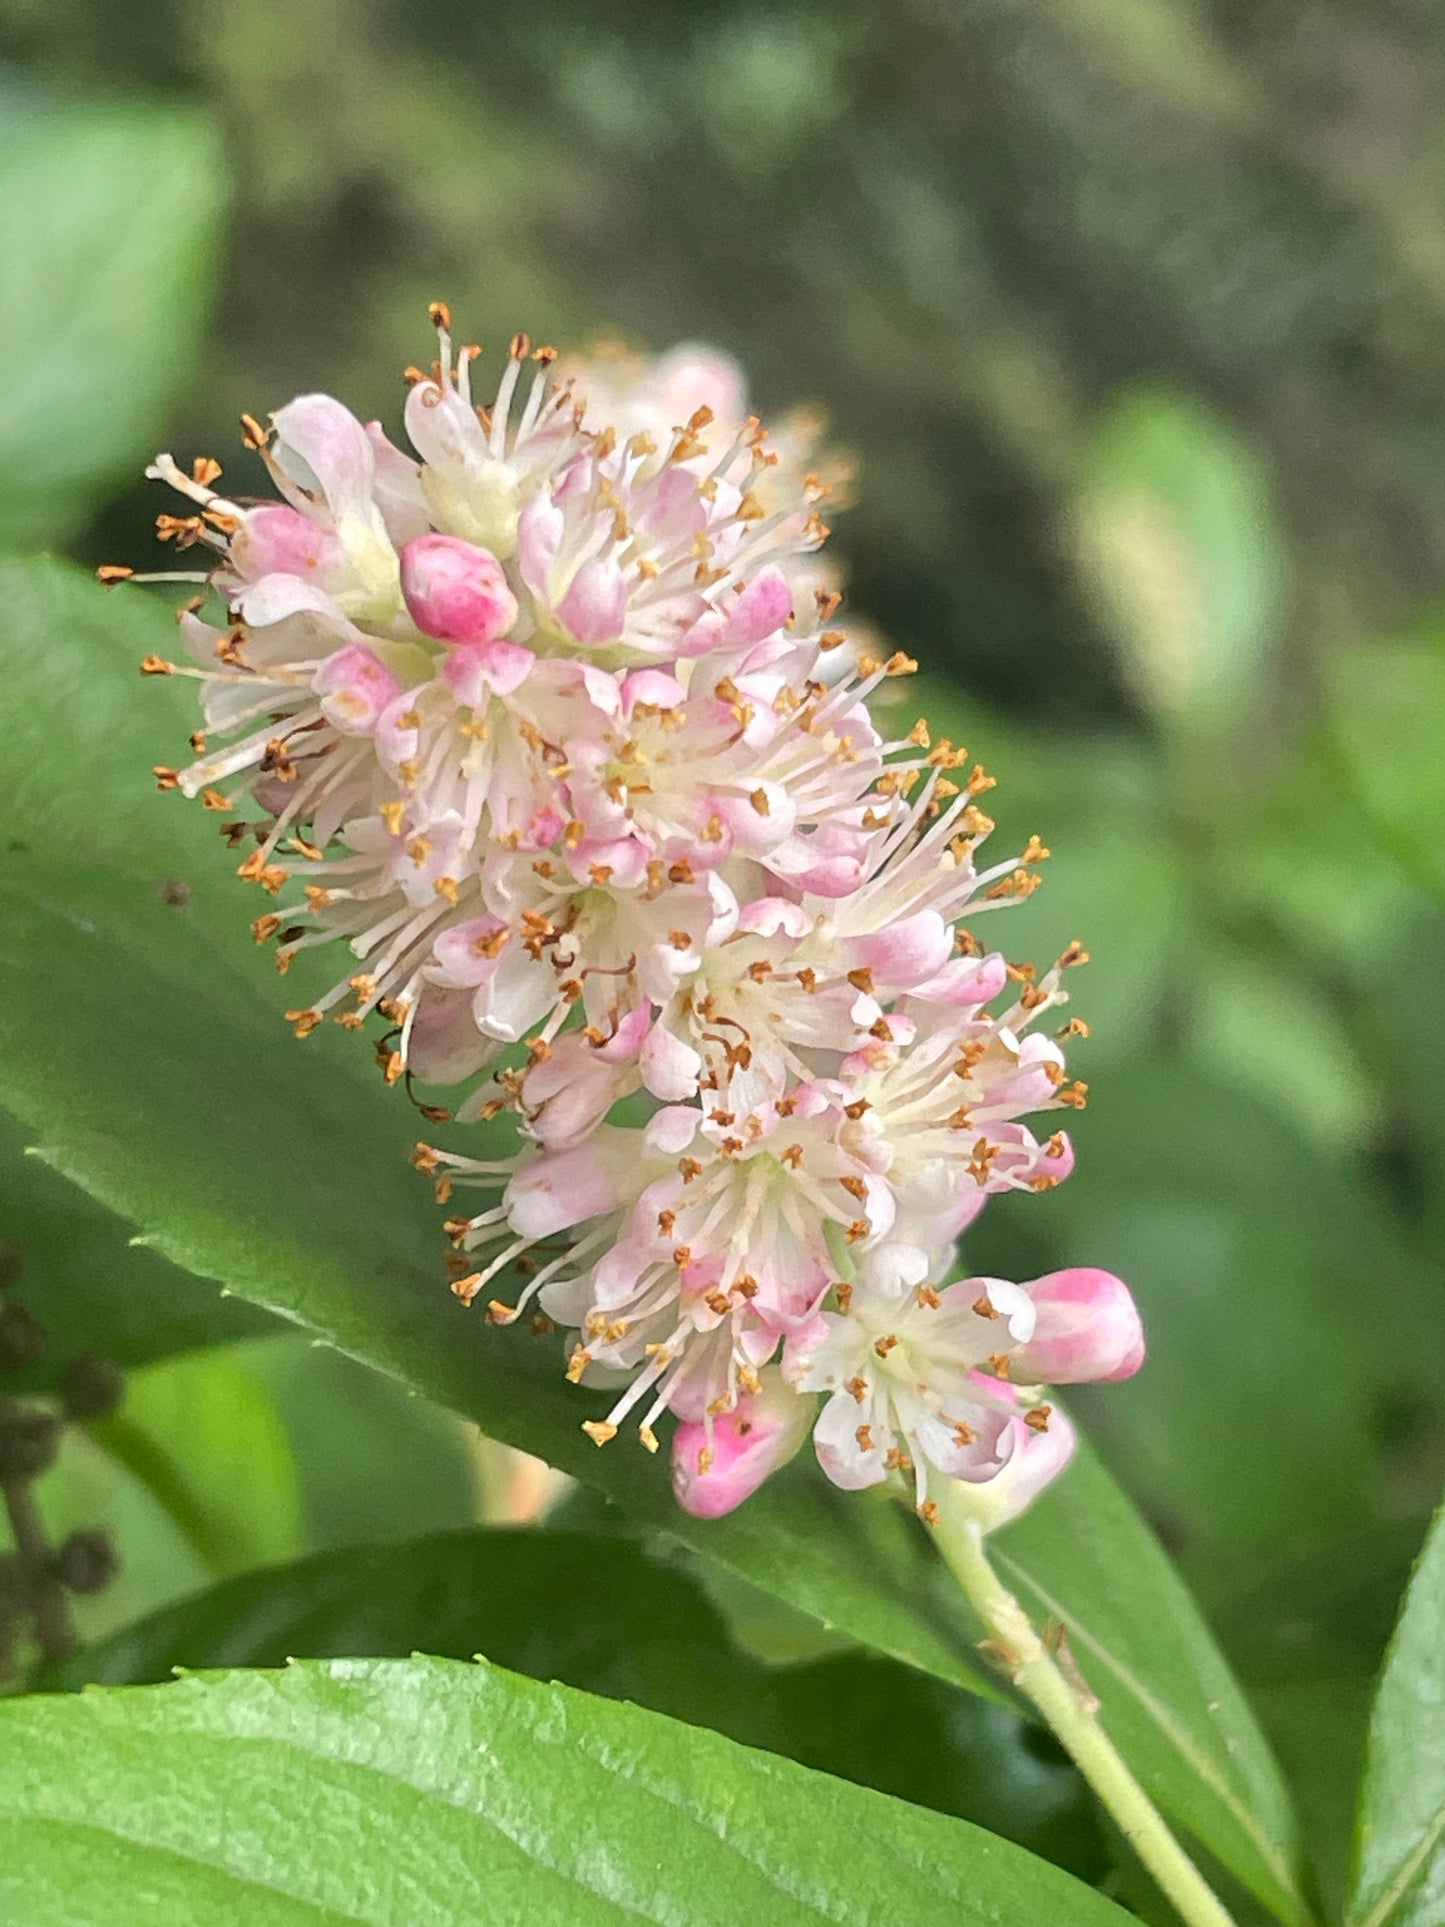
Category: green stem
<point>1036,1673</point>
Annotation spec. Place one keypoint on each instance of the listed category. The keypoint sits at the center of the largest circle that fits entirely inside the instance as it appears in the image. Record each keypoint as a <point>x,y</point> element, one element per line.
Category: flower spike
<point>552,729</point>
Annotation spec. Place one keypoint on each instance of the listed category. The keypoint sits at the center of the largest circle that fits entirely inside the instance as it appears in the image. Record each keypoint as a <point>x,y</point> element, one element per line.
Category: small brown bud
<point>91,1387</point>
<point>29,1441</point>
<point>86,1562</point>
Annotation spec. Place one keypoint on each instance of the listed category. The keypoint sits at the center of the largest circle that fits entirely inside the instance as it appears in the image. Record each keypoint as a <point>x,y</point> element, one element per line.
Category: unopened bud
<point>29,1440</point>
<point>90,1387</point>
<point>86,1562</point>
<point>712,1475</point>
<point>456,591</point>
<point>1087,1327</point>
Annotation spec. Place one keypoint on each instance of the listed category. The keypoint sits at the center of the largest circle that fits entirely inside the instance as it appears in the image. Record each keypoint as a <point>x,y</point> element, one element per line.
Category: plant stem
<point>45,1595</point>
<point>1036,1673</point>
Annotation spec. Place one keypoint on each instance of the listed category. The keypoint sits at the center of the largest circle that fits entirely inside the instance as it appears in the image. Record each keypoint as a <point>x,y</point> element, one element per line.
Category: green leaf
<point>1225,1224</point>
<point>109,228</point>
<point>1112,880</point>
<point>1386,700</point>
<point>274,1167</point>
<point>1287,874</point>
<point>1317,1727</point>
<point>193,1476</point>
<point>90,1287</point>
<point>89,729</point>
<point>597,1613</point>
<point>408,1792</point>
<point>373,1460</point>
<point>600,1614</point>
<point>1268,1030</point>
<point>1180,541</point>
<point>1413,1056</point>
<point>1323,1614</point>
<point>1400,1859</point>
<point>204,1436</point>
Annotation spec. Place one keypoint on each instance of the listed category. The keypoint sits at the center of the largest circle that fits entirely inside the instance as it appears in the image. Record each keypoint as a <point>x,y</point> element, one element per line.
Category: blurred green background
<point>1133,314</point>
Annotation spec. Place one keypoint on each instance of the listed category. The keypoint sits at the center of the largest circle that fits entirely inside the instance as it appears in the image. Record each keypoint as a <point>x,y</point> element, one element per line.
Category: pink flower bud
<point>714,1476</point>
<point>455,591</point>
<point>1087,1328</point>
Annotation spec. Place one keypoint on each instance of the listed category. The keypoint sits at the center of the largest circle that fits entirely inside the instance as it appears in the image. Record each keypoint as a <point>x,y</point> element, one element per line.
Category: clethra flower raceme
<point>551,729</point>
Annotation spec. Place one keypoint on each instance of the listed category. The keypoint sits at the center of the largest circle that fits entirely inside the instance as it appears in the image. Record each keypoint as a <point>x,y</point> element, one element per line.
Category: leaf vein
<point>1405,1878</point>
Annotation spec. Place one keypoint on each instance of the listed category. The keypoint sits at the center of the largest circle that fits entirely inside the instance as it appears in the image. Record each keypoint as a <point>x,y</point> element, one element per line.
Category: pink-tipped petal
<point>712,1476</point>
<point>775,916</point>
<point>1037,1459</point>
<point>908,952</point>
<point>764,605</point>
<point>445,1045</point>
<point>320,447</point>
<point>561,1189</point>
<point>277,540</point>
<point>477,671</point>
<point>655,686</point>
<point>594,608</point>
<point>693,376</point>
<point>355,686</point>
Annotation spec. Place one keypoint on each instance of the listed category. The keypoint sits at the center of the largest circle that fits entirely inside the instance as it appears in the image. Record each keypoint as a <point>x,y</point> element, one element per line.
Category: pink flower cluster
<point>550,727</point>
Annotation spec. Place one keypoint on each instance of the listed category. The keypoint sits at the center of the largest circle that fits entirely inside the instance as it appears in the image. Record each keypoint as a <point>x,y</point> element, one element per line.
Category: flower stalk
<point>1021,1651</point>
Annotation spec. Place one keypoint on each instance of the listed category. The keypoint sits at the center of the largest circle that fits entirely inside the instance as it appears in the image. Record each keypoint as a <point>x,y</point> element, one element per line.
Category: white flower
<point>907,1393</point>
